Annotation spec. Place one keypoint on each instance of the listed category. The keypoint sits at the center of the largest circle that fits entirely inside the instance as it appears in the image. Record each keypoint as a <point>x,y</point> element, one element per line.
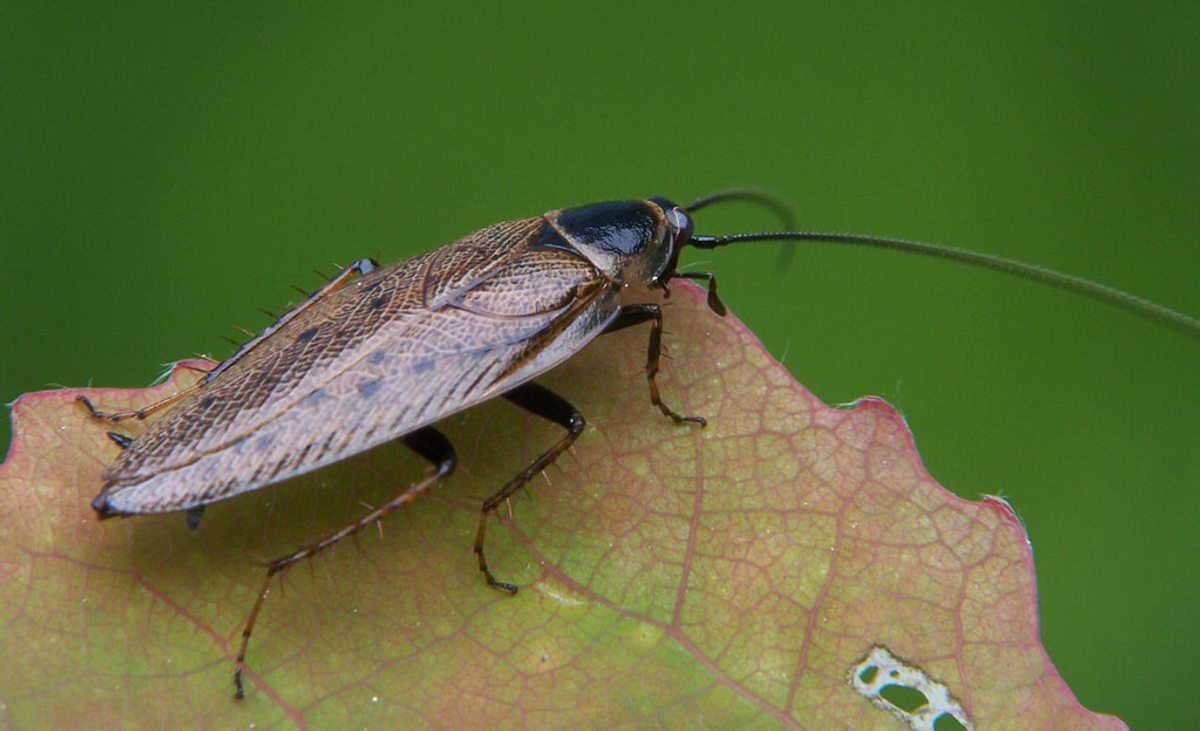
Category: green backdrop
<point>165,172</point>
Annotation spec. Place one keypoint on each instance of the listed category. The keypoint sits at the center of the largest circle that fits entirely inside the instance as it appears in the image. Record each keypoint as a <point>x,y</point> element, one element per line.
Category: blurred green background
<point>166,171</point>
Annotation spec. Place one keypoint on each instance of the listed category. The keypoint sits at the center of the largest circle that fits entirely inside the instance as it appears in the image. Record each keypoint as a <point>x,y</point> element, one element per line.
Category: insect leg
<point>142,413</point>
<point>121,440</point>
<point>635,315</point>
<point>115,416</point>
<point>430,444</point>
<point>548,405</point>
<point>714,303</point>
<point>193,517</point>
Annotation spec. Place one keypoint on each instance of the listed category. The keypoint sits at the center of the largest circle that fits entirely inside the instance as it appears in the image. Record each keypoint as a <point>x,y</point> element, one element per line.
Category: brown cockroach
<point>387,354</point>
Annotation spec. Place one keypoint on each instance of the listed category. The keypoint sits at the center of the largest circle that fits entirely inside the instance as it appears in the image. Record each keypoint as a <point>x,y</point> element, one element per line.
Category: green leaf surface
<point>730,577</point>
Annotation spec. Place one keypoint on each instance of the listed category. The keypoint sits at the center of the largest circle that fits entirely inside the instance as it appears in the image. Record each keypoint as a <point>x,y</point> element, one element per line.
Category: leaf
<point>728,577</point>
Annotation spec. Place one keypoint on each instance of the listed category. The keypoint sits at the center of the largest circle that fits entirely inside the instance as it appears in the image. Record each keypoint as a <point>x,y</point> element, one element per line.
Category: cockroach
<point>384,353</point>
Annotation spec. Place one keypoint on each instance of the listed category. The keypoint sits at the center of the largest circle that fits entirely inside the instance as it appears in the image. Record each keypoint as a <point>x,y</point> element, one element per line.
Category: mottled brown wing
<point>389,353</point>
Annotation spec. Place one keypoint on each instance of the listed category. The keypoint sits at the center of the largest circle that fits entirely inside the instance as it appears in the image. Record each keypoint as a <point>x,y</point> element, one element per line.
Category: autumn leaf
<point>792,565</point>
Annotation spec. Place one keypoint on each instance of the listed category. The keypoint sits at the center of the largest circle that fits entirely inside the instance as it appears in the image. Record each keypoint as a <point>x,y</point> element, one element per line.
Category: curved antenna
<point>1137,305</point>
<point>762,198</point>
<point>749,195</point>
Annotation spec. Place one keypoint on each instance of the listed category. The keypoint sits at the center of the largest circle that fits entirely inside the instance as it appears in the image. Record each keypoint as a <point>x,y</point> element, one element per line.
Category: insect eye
<point>681,225</point>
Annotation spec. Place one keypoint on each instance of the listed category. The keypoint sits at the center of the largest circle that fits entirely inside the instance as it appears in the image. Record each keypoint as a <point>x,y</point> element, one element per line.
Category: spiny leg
<point>544,403</point>
<point>142,413</point>
<point>630,315</point>
<point>430,444</point>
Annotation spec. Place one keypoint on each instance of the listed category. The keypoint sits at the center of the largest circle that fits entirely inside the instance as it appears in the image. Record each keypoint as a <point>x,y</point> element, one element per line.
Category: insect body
<point>384,356</point>
<point>388,354</point>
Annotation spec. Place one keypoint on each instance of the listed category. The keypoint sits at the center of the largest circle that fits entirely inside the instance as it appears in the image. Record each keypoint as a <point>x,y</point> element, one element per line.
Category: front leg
<point>635,315</point>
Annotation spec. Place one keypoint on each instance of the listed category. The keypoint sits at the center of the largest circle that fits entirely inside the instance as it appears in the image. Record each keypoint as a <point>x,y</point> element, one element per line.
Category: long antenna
<point>749,195</point>
<point>1151,311</point>
<point>766,199</point>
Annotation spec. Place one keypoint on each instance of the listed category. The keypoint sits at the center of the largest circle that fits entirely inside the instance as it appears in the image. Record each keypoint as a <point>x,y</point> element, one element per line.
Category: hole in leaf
<point>903,697</point>
<point>946,722</point>
<point>906,691</point>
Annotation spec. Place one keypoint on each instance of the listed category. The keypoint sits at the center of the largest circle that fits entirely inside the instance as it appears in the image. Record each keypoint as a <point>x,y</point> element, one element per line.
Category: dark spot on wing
<point>376,357</point>
<point>307,335</point>
<point>321,450</point>
<point>422,365</point>
<point>314,398</point>
<point>207,401</point>
<point>378,302</point>
<point>368,389</point>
